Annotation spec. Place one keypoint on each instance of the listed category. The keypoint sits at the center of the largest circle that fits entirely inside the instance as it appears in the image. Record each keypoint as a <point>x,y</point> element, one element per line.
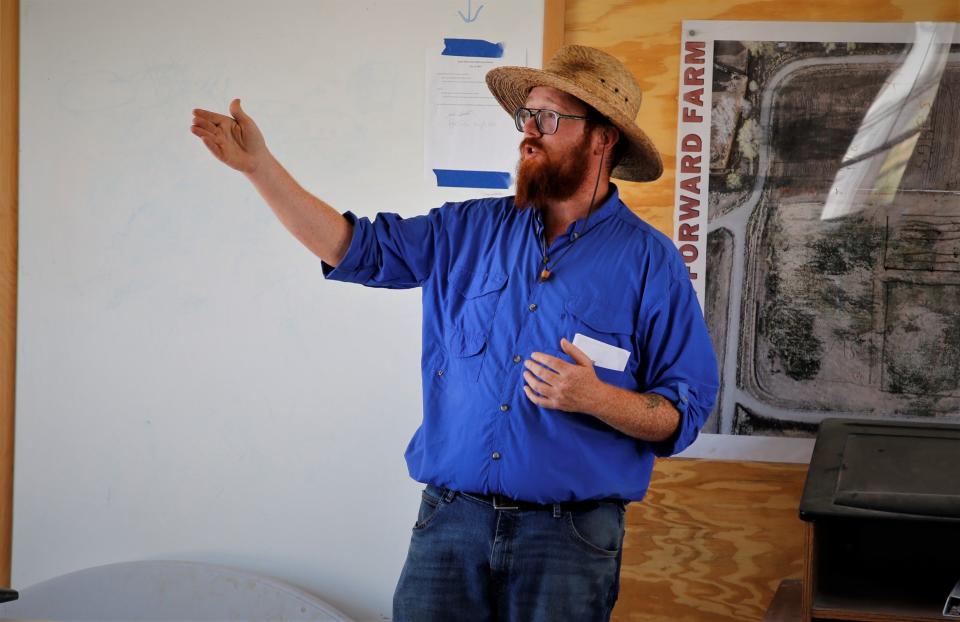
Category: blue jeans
<point>469,561</point>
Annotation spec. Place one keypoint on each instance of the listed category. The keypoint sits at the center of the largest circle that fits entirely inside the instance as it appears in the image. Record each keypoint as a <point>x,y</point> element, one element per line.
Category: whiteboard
<point>188,385</point>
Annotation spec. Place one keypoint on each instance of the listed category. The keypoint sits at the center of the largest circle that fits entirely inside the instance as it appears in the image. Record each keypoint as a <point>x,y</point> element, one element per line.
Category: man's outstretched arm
<point>237,142</point>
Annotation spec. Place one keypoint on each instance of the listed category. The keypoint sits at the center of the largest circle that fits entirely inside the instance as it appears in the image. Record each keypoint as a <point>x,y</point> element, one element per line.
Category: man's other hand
<point>236,141</point>
<point>555,383</point>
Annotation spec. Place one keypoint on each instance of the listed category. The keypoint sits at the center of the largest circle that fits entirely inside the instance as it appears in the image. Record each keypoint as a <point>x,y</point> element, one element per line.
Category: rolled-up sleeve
<point>679,362</point>
<point>391,251</point>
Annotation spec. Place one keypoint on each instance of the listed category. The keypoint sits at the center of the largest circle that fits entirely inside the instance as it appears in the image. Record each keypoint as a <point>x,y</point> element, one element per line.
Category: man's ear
<point>609,135</point>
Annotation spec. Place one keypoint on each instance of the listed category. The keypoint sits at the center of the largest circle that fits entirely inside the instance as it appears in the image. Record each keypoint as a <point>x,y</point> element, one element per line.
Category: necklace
<point>546,272</point>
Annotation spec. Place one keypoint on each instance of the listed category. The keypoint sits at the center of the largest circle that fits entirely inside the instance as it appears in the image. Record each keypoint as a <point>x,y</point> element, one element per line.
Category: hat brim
<point>641,160</point>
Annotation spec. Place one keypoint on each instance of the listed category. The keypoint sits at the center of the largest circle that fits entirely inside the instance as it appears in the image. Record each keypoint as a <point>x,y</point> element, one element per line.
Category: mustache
<point>531,142</point>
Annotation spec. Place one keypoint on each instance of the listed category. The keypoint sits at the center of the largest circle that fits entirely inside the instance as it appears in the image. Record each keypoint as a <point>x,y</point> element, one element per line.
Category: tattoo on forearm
<point>654,400</point>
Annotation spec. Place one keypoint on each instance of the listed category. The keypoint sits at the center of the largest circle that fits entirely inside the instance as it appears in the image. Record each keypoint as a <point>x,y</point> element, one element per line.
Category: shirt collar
<point>582,225</point>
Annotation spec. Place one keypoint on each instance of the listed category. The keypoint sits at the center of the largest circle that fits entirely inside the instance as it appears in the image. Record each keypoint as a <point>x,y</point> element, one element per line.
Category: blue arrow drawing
<point>467,18</point>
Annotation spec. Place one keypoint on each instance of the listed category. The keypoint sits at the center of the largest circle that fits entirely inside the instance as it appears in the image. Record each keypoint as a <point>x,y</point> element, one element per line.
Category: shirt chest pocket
<point>473,302</point>
<point>613,328</point>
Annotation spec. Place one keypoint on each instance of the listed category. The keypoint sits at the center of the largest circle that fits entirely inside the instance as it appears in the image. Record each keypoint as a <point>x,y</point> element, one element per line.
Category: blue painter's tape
<point>472,47</point>
<point>472,179</point>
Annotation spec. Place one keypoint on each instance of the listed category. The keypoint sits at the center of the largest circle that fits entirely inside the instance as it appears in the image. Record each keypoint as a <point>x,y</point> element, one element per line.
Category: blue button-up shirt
<point>485,311</point>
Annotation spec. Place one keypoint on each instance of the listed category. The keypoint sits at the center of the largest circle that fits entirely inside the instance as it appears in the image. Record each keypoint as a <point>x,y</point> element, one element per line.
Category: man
<point>563,347</point>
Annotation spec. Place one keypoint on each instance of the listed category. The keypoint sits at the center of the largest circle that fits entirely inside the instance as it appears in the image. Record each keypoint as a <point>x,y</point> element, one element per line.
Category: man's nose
<point>530,127</point>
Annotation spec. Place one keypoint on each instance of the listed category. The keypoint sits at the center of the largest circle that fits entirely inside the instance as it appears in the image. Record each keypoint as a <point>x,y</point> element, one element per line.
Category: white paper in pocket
<point>602,354</point>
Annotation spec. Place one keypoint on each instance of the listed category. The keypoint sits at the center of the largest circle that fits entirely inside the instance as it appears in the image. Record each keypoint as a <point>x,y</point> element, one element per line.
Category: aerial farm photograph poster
<point>817,209</point>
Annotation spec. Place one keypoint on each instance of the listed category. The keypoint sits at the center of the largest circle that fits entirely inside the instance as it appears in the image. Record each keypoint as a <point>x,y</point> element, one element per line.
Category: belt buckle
<point>498,504</point>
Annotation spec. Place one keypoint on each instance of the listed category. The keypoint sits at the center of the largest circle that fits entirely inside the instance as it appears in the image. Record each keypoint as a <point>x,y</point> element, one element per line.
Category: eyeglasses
<point>548,121</point>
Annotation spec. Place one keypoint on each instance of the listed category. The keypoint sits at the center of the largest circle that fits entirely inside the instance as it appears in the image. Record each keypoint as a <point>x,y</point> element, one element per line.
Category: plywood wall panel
<point>711,541</point>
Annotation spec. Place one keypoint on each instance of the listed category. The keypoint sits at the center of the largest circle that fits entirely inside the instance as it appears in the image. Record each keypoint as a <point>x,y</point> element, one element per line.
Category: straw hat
<point>601,81</point>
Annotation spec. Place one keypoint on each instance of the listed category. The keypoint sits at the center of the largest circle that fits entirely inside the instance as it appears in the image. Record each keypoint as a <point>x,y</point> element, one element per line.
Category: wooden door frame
<point>9,142</point>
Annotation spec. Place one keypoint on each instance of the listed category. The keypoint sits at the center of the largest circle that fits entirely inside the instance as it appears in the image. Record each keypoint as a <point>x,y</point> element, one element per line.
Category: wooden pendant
<point>544,275</point>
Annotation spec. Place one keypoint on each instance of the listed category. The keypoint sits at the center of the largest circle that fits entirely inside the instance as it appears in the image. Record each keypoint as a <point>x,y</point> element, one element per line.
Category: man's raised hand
<point>236,141</point>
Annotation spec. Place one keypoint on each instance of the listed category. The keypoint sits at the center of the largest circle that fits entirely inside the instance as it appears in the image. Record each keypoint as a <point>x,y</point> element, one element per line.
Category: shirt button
<point>575,235</point>
<point>495,455</point>
<point>439,372</point>
<point>517,358</point>
<point>533,306</point>
<point>504,407</point>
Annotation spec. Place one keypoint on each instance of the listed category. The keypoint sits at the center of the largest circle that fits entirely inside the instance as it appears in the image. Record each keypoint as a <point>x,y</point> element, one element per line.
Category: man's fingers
<point>537,385</point>
<point>536,399</point>
<point>238,112</point>
<point>204,124</point>
<point>203,134</point>
<point>541,371</point>
<point>214,117</point>
<point>575,353</point>
<point>213,137</point>
<point>552,362</point>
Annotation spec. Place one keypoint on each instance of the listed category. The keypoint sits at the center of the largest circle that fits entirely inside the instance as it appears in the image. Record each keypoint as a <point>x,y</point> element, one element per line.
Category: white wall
<point>188,385</point>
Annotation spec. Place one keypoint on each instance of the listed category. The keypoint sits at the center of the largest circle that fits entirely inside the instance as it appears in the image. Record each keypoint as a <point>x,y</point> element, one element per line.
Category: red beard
<point>542,179</point>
